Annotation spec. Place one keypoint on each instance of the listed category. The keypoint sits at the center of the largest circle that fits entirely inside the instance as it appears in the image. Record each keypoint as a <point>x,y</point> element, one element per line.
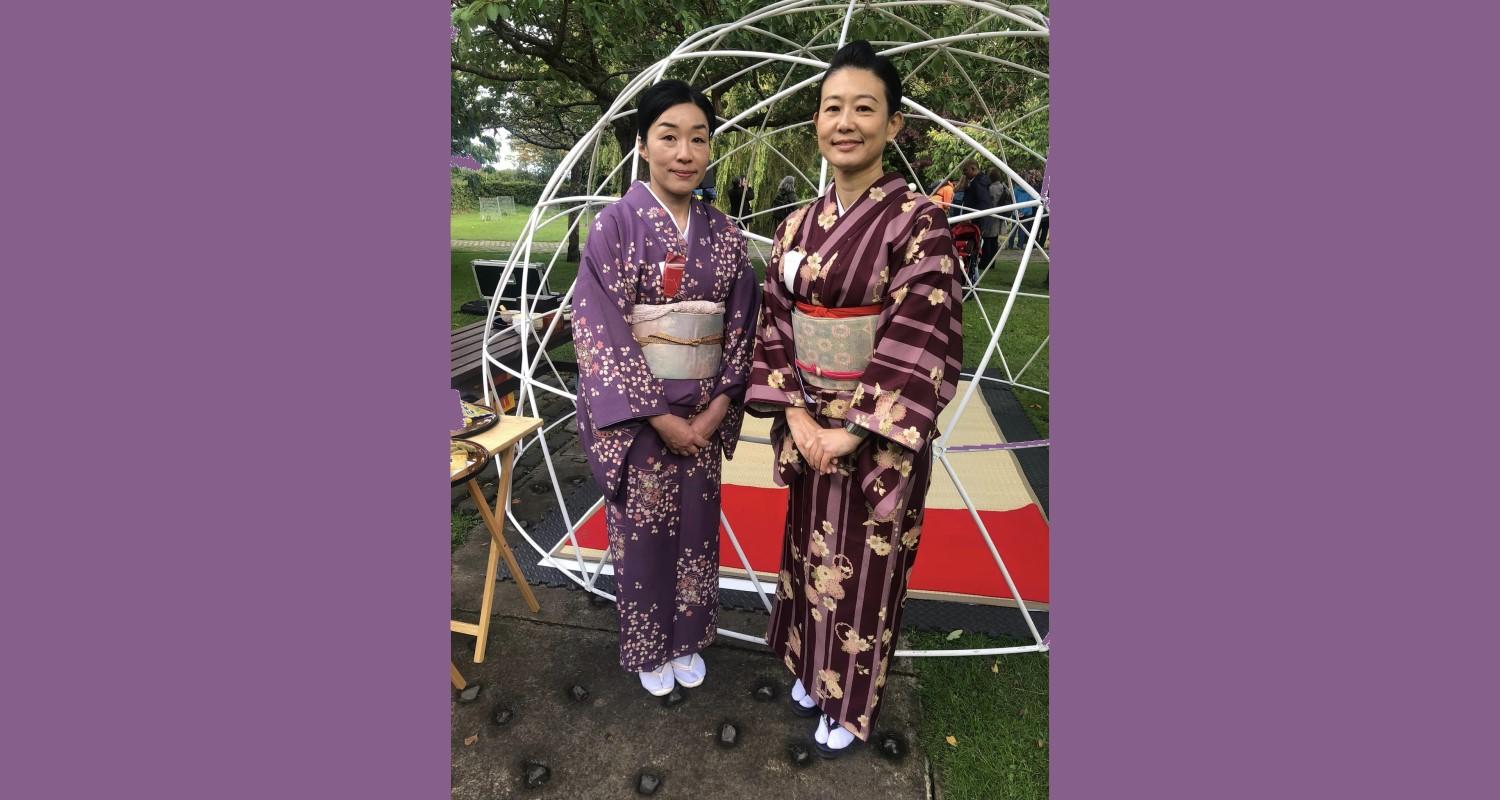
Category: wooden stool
<point>500,440</point>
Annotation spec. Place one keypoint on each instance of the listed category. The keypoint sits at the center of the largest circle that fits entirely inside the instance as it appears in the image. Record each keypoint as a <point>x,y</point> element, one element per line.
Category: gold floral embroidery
<point>817,615</point>
<point>936,296</point>
<point>830,604</point>
<point>837,408</point>
<point>828,582</point>
<point>811,267</point>
<point>911,436</point>
<point>776,380</point>
<point>898,295</point>
<point>789,454</point>
<point>936,375</point>
<point>908,206</point>
<point>850,640</point>
<point>792,223</point>
<point>789,665</point>
<point>885,638</point>
<point>913,251</point>
<point>786,588</point>
<point>829,216</point>
<point>945,265</point>
<point>877,194</point>
<point>829,681</point>
<point>859,394</point>
<point>880,544</point>
<point>818,548</point>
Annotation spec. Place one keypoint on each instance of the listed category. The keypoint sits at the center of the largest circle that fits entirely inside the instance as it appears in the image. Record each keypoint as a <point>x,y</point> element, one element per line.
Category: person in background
<point>977,198</point>
<point>706,191</point>
<point>741,200</point>
<point>990,227</point>
<point>784,200</point>
<point>943,195</point>
<point>1023,216</point>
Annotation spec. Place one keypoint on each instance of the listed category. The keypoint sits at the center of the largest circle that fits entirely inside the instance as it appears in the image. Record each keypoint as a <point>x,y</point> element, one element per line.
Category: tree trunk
<point>575,184</point>
<point>625,138</point>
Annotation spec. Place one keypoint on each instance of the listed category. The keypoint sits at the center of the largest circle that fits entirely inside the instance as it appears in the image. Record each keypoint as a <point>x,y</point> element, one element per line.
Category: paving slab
<point>596,748</point>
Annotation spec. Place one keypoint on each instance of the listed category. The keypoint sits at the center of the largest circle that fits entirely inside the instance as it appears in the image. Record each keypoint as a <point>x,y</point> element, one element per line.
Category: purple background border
<point>184,628</point>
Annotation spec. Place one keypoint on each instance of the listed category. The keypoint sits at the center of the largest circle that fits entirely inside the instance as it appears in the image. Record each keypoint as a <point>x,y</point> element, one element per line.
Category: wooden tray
<point>465,460</point>
<point>477,418</point>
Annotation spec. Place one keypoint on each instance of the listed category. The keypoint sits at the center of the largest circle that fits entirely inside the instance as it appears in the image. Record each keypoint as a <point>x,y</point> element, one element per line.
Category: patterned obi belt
<point>834,345</point>
<point>683,340</point>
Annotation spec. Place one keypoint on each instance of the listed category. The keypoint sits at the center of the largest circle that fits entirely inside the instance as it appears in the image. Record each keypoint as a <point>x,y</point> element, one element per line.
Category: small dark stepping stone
<point>540,488</point>
<point>578,693</point>
<point>764,692</point>
<point>647,783</point>
<point>729,735</point>
<point>503,715</point>
<point>470,693</point>
<point>676,698</point>
<point>536,774</point>
<point>599,600</point>
<point>891,745</point>
<point>577,480</point>
<point>800,755</point>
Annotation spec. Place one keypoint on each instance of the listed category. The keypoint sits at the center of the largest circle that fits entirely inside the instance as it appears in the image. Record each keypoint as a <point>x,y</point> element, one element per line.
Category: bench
<point>466,355</point>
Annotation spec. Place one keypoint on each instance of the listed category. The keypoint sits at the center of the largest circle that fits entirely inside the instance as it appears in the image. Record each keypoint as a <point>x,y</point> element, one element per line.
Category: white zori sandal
<point>689,670</point>
<point>658,681</point>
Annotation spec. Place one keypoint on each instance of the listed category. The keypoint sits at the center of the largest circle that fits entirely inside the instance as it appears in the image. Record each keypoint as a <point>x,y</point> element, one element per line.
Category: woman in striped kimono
<point>857,351</point>
<point>663,322</point>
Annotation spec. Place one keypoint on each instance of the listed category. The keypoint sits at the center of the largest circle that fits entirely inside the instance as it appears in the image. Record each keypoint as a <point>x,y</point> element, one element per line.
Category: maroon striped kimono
<point>851,537</point>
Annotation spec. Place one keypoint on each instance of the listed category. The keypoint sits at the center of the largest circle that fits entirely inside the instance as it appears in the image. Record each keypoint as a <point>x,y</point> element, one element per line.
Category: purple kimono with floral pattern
<point>661,509</point>
<point>851,537</point>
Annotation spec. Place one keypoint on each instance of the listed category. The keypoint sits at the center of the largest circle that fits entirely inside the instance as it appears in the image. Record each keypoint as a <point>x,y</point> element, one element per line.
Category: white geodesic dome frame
<point>994,21</point>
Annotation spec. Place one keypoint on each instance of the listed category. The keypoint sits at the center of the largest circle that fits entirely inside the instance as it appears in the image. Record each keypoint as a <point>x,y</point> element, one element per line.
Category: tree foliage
<point>551,68</point>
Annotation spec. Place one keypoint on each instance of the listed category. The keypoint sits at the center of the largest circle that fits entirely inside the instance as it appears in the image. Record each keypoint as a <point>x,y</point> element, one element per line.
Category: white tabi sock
<point>800,695</point>
<point>839,737</point>
<point>821,734</point>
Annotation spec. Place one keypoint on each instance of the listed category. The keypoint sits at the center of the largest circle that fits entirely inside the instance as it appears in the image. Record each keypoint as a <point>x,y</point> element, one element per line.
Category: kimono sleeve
<point>774,382</point>
<point>913,372</point>
<point>740,309</point>
<point>613,378</point>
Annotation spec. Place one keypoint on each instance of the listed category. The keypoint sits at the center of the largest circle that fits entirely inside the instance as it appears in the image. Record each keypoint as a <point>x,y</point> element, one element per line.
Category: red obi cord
<point>838,313</point>
<point>671,276</point>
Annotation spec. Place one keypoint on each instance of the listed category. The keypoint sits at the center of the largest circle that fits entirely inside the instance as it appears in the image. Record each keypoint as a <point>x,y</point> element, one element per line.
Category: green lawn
<point>995,708</point>
<point>1024,331</point>
<point>507,228</point>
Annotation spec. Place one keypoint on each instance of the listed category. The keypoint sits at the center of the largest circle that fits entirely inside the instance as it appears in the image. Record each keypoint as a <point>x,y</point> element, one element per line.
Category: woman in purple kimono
<point>858,350</point>
<point>663,322</point>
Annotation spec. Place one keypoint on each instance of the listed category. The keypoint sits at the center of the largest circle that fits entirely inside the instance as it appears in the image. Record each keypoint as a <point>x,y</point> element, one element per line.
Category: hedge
<point>468,186</point>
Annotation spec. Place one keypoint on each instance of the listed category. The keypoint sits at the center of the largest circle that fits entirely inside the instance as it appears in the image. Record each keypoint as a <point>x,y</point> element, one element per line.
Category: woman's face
<point>853,120</point>
<point>676,149</point>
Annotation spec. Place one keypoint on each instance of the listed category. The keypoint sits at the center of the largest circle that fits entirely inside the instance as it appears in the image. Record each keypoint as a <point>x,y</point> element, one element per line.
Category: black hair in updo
<point>860,55</point>
<point>661,96</point>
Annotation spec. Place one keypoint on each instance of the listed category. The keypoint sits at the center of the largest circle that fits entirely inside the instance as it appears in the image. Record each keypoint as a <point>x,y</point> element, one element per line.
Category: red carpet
<point>952,559</point>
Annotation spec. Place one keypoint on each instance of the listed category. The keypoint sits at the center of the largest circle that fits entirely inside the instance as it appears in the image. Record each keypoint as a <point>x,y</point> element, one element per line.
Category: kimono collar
<point>885,186</point>
<point>681,231</point>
